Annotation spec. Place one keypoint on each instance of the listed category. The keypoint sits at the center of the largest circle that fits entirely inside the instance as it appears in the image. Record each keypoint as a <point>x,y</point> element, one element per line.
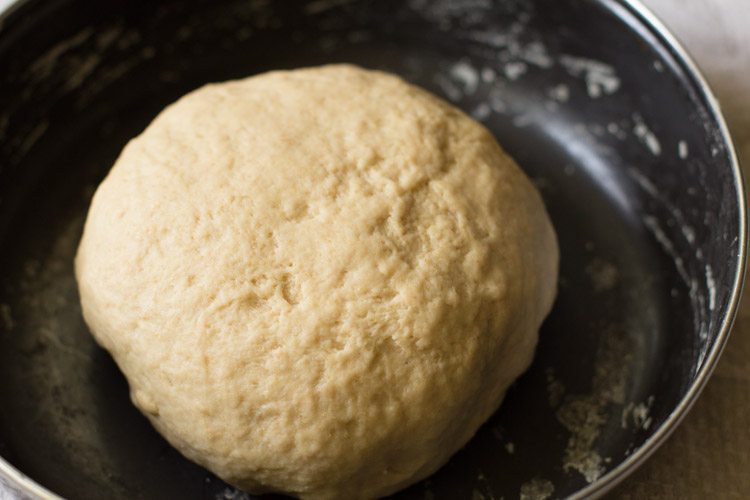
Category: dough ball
<point>319,282</point>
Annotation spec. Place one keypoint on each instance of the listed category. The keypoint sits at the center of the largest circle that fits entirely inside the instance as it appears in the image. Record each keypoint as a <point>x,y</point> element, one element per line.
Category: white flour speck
<point>448,87</point>
<point>560,93</point>
<point>514,70</point>
<point>617,131</point>
<point>644,182</point>
<point>652,224</point>
<point>80,70</point>
<point>482,111</point>
<point>466,75</point>
<point>627,412</point>
<point>232,494</point>
<point>600,78</point>
<point>640,414</point>
<point>48,62</point>
<point>603,275</point>
<point>647,137</point>
<point>33,136</point>
<point>491,38</point>
<point>477,495</point>
<point>711,285</point>
<point>488,75</point>
<point>689,234</point>
<point>536,489</point>
<point>535,53</point>
<point>682,150</point>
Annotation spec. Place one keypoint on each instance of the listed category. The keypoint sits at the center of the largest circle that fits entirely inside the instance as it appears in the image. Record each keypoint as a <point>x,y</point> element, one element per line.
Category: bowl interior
<point>592,103</point>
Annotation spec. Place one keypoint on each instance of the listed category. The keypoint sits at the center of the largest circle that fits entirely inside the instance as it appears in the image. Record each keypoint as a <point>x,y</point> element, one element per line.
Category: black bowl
<point>594,99</point>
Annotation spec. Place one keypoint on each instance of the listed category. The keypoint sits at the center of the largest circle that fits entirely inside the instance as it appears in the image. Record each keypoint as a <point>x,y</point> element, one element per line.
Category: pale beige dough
<point>319,282</point>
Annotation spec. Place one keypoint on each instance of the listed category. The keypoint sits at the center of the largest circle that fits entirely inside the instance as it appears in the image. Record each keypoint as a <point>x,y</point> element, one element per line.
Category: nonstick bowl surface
<point>593,98</point>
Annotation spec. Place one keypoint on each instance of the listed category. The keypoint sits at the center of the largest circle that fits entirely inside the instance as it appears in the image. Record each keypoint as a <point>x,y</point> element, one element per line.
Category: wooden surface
<point>708,457</point>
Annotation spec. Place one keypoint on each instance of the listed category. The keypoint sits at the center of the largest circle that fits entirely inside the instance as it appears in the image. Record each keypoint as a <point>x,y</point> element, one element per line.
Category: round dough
<point>318,282</point>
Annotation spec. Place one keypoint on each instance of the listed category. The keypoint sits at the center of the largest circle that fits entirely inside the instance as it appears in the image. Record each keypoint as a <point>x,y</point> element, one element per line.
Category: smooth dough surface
<point>319,281</point>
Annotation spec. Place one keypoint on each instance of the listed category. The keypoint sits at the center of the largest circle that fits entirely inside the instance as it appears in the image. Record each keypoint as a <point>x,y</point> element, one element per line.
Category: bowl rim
<point>650,21</point>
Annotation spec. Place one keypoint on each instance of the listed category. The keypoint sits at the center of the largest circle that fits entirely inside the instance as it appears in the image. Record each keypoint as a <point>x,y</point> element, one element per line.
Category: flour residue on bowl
<point>700,302</point>
<point>603,275</point>
<point>682,150</point>
<point>230,493</point>
<point>646,135</point>
<point>536,489</point>
<point>466,75</point>
<point>676,218</point>
<point>482,111</point>
<point>560,93</point>
<point>44,293</point>
<point>637,414</point>
<point>76,64</point>
<point>32,137</point>
<point>584,415</point>
<point>499,435</point>
<point>514,70</point>
<point>614,129</point>
<point>601,79</point>
<point>510,52</point>
<point>76,58</point>
<point>482,489</point>
<point>46,64</point>
<point>711,286</point>
<point>652,223</point>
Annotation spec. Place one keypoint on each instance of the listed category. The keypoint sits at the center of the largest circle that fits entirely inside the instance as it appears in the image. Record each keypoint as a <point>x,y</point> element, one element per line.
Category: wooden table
<point>708,457</point>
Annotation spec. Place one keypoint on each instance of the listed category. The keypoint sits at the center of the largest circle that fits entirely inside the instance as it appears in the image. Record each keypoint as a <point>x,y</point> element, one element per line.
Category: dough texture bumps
<point>319,282</point>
